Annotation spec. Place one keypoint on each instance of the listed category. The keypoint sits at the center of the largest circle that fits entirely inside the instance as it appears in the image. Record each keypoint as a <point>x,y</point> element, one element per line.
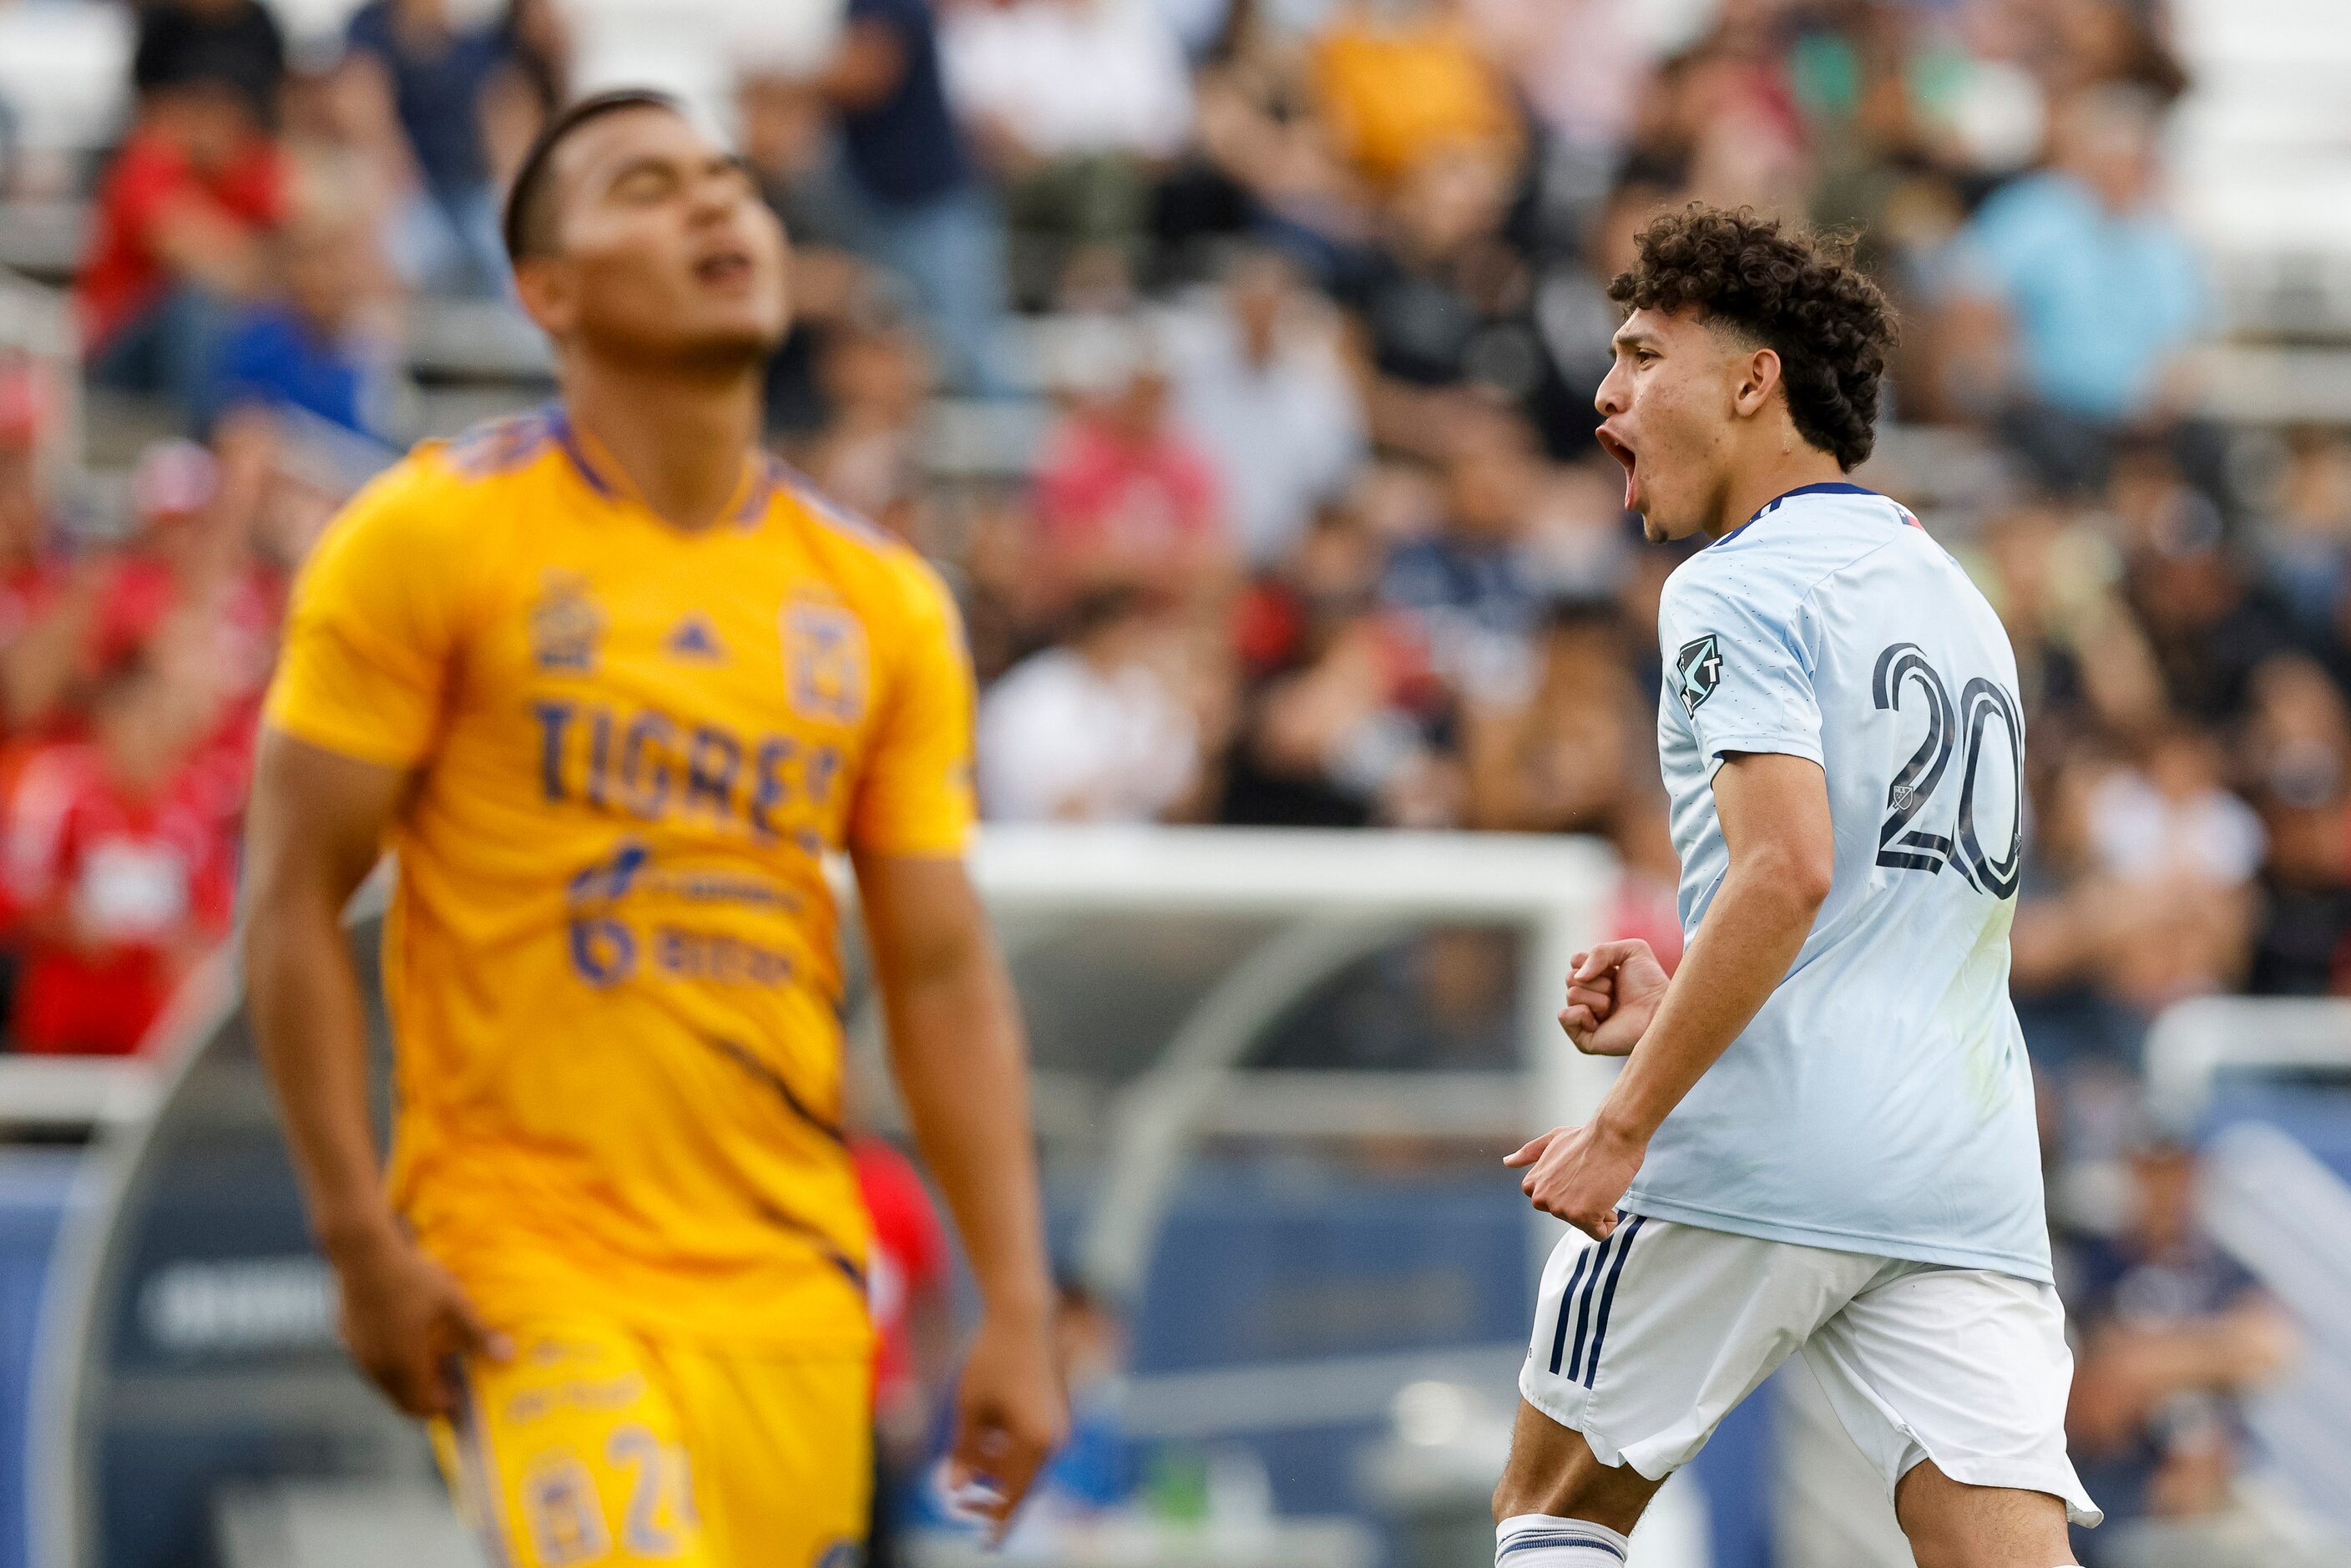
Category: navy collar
<point>1826,487</point>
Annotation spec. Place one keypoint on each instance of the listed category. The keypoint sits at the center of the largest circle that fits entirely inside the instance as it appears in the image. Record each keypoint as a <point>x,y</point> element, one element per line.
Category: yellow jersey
<point>612,962</point>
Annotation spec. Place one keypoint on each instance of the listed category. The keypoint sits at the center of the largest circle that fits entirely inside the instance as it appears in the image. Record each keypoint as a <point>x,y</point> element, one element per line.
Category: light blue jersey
<point>1880,1101</point>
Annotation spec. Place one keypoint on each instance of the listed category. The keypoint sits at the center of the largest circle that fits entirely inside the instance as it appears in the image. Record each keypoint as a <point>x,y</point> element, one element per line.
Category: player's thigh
<point>573,1452</point>
<point>782,1452</point>
<point>1645,1341</point>
<point>1952,1525</point>
<point>1968,1369</point>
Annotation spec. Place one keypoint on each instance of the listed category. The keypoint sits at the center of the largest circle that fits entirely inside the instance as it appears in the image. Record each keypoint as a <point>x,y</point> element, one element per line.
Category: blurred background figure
<point>239,39</point>
<point>426,77</point>
<point>1092,730</point>
<point>1074,104</point>
<point>1261,382</point>
<point>1123,493</point>
<point>322,350</point>
<point>121,868</point>
<point>180,234</point>
<point>2173,1336</point>
<point>914,192</point>
<point>909,1280</point>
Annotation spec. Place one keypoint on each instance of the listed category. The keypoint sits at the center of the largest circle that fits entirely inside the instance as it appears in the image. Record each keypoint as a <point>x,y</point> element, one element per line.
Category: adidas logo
<point>694,638</point>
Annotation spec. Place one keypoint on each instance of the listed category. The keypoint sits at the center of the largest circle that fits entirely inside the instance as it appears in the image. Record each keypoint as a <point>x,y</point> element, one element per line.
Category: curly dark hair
<point>1798,295</point>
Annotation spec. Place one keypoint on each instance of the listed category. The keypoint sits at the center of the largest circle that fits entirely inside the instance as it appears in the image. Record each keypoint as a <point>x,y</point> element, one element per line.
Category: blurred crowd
<point>1313,294</point>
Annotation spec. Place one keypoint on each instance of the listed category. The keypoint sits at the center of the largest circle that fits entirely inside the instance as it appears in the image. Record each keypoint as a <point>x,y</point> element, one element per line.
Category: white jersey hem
<point>2037,1269</point>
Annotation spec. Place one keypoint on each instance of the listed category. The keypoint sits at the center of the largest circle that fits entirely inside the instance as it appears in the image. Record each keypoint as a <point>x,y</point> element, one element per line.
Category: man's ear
<point>1759,378</point>
<point>543,284</point>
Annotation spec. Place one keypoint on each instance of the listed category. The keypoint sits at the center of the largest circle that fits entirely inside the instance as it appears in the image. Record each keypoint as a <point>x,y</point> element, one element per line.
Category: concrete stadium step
<point>475,340</point>
<point>41,237</point>
<point>2264,384</point>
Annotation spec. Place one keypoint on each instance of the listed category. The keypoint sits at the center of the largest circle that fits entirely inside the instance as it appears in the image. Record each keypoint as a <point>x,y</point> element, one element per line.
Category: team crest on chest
<point>1697,670</point>
<point>825,662</point>
<point>565,624</point>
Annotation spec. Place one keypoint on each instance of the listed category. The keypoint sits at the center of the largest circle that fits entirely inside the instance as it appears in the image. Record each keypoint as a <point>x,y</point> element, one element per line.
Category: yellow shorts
<point>599,1445</point>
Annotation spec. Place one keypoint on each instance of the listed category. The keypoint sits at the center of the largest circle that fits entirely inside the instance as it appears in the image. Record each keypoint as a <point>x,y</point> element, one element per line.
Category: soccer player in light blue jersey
<point>1823,1139</point>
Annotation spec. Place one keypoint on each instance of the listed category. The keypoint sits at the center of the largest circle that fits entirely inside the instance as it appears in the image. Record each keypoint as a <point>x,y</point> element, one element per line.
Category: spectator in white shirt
<point>1073,101</point>
<point>1091,731</point>
<point>1262,385</point>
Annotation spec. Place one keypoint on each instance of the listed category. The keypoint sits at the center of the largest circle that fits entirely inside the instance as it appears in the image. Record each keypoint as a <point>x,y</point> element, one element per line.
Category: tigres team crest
<point>825,662</point>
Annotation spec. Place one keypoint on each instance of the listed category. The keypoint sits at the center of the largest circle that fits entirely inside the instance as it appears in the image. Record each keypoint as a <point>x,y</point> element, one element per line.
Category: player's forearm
<point>1742,949</point>
<point>962,1067</point>
<point>310,1024</point>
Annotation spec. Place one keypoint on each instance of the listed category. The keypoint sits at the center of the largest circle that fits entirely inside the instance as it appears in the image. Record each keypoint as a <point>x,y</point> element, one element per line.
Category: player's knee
<point>1551,1470</point>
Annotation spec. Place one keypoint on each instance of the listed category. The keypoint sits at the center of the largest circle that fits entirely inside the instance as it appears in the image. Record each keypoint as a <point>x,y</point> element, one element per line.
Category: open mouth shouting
<point>1616,446</point>
<point>728,266</point>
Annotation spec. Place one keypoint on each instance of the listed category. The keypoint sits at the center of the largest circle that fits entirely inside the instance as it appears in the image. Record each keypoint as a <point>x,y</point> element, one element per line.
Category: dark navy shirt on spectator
<point>906,150</point>
<point>274,357</point>
<point>1487,584</point>
<point>2112,1284</point>
<point>438,95</point>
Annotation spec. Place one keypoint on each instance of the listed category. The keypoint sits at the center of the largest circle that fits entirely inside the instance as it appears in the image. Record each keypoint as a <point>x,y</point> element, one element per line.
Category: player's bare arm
<point>315,830</point>
<point>961,1062</point>
<point>1775,822</point>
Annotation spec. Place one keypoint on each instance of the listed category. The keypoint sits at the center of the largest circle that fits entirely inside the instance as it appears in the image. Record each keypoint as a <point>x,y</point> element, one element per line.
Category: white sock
<point>1547,1540</point>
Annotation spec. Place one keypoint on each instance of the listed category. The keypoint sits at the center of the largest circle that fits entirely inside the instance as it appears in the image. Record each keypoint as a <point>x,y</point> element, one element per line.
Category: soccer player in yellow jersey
<point>612,683</point>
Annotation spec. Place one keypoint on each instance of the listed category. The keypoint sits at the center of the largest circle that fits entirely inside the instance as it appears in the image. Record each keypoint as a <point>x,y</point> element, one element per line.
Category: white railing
<point>2273,1207</point>
<point>2287,1219</point>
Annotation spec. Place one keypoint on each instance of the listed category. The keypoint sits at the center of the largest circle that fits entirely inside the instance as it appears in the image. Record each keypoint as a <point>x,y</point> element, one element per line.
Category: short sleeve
<point>1739,666</point>
<point>371,633</point>
<point>915,791</point>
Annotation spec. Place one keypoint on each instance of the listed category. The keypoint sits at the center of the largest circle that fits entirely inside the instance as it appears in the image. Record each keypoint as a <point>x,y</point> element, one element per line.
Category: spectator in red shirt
<point>906,1281</point>
<point>190,592</point>
<point>1123,495</point>
<point>183,220</point>
<point>28,566</point>
<point>47,600</point>
<point>120,863</point>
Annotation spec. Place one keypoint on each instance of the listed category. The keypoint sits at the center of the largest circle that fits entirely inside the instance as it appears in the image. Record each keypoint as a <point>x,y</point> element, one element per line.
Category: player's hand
<point>403,1317</point>
<point>1579,1175</point>
<point>1613,992</point>
<point>1010,1414</point>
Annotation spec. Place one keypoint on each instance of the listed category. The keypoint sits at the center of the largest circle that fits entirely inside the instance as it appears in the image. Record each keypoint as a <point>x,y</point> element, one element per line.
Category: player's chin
<point>728,344</point>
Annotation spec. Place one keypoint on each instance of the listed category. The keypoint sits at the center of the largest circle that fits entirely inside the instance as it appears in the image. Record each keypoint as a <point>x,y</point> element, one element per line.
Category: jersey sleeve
<point>1738,665</point>
<point>371,634</point>
<point>915,791</point>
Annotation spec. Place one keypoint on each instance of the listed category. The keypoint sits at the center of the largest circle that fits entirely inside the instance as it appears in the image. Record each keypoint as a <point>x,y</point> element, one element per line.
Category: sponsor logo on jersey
<point>694,637</point>
<point>565,624</point>
<point>1697,670</point>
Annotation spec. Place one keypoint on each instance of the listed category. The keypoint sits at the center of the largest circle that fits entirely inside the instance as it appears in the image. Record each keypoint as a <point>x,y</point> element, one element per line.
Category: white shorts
<point>1645,1341</point>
